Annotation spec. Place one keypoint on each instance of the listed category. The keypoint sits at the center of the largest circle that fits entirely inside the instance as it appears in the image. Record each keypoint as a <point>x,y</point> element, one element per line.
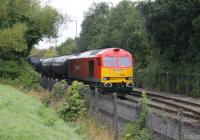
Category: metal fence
<point>169,82</point>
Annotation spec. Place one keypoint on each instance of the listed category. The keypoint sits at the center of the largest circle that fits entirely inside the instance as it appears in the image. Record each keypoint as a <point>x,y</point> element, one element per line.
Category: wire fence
<point>169,82</point>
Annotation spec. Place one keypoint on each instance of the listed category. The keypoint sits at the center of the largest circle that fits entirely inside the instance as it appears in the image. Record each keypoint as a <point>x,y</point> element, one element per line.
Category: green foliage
<point>13,39</point>
<point>68,47</point>
<point>23,117</point>
<point>74,105</point>
<point>138,130</point>
<point>173,27</point>
<point>23,23</point>
<point>47,118</point>
<point>51,52</point>
<point>39,21</point>
<point>19,73</point>
<point>38,52</point>
<point>58,92</point>
<point>93,26</point>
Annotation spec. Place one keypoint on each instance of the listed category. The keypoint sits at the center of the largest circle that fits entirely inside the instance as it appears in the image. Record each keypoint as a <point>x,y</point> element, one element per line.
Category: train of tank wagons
<point>108,69</point>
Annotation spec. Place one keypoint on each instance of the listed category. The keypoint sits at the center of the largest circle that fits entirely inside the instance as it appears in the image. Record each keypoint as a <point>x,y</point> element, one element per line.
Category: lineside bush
<point>57,94</point>
<point>74,105</point>
<point>138,130</point>
<point>19,74</point>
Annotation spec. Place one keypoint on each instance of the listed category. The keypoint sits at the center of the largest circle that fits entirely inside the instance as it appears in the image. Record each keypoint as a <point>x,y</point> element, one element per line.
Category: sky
<point>74,9</point>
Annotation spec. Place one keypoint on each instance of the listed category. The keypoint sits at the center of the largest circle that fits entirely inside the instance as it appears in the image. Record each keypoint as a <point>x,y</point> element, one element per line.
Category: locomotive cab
<point>117,71</point>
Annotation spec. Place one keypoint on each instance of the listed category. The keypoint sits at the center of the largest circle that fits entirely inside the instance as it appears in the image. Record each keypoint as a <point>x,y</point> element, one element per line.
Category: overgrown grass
<point>92,129</point>
<point>23,117</point>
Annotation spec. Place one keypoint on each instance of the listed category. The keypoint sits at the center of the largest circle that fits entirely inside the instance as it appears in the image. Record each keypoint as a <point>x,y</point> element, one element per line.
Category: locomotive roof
<point>92,53</point>
<point>87,54</point>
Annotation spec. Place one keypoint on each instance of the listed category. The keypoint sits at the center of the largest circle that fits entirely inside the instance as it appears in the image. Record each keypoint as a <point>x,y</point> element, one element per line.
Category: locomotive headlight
<point>106,78</point>
<point>129,78</point>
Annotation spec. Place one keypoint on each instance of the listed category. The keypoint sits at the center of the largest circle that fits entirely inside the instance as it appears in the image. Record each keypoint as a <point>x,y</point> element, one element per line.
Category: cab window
<point>124,62</point>
<point>110,61</point>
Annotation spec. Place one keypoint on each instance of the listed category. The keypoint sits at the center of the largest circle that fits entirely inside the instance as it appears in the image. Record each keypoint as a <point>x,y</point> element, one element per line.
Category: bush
<point>138,130</point>
<point>19,74</point>
<point>58,92</point>
<point>74,105</point>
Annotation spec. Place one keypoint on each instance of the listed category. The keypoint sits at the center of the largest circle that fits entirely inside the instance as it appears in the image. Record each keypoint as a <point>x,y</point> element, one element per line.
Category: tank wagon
<point>108,69</point>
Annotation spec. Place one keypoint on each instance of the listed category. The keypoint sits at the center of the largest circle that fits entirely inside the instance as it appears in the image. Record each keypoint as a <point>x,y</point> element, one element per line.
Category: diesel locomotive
<point>109,69</point>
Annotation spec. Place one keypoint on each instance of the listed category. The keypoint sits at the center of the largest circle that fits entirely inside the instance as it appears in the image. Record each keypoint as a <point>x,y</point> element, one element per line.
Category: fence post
<point>96,98</point>
<point>167,81</point>
<point>158,82</point>
<point>180,124</point>
<point>115,118</point>
<point>198,90</point>
<point>93,102</point>
<point>187,84</point>
<point>177,83</point>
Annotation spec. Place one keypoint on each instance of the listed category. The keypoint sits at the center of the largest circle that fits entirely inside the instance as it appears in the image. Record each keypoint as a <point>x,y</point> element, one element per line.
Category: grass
<point>93,130</point>
<point>23,117</point>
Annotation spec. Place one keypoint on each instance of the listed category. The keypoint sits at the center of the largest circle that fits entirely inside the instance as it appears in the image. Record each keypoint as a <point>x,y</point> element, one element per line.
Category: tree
<point>28,19</point>
<point>67,47</point>
<point>38,52</point>
<point>174,28</point>
<point>23,23</point>
<point>93,24</point>
<point>51,52</point>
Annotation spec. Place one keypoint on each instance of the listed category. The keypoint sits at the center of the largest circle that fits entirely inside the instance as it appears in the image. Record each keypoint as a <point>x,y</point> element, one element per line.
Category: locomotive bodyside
<point>84,67</point>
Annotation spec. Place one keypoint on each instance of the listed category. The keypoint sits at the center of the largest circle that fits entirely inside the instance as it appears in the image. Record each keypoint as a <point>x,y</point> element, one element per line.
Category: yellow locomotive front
<point>117,71</point>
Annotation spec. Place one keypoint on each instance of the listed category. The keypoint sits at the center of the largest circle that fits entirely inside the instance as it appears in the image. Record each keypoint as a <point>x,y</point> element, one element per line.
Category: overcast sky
<point>74,9</point>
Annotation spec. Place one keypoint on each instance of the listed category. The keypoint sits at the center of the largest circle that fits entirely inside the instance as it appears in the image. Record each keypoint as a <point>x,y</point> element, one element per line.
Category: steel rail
<point>189,114</point>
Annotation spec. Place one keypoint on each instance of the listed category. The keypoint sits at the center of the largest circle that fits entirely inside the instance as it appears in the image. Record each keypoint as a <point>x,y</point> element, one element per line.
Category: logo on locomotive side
<point>77,67</point>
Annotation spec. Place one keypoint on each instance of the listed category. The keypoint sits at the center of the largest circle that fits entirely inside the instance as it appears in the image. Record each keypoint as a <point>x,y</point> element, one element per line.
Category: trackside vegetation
<point>23,117</point>
<point>69,102</point>
<point>23,23</point>
<point>138,130</point>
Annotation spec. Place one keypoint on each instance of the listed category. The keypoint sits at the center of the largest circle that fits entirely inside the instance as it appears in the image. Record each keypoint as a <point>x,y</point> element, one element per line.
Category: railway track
<point>171,105</point>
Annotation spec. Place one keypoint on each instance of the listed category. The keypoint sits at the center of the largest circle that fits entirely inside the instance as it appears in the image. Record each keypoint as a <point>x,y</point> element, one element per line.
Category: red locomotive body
<point>107,68</point>
<point>84,67</point>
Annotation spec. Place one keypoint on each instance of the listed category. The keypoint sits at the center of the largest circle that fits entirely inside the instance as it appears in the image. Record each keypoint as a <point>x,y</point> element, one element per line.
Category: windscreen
<point>124,61</point>
<point>110,61</point>
<point>117,61</point>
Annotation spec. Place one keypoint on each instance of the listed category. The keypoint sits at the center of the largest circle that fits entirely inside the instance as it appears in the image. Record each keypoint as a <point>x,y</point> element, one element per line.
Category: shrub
<point>138,130</point>
<point>19,74</point>
<point>74,105</point>
<point>58,92</point>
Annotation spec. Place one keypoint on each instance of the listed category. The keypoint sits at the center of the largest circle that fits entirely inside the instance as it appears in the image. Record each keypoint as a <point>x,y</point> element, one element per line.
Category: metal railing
<point>169,82</point>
